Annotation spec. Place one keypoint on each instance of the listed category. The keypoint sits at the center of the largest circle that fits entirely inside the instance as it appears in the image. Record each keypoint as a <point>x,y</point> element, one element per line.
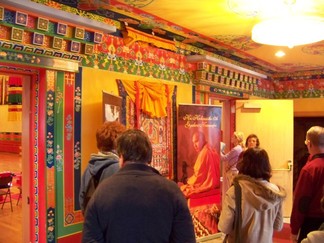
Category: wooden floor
<point>11,222</point>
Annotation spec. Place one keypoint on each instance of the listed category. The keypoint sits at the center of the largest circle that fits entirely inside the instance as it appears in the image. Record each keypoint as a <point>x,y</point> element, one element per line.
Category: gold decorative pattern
<point>79,33</point>
<point>17,34</point>
<point>57,43</point>
<point>88,50</point>
<point>1,13</point>
<point>132,35</point>
<point>42,24</point>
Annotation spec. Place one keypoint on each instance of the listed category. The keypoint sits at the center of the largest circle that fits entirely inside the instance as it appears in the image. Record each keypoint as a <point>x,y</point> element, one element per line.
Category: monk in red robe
<point>206,174</point>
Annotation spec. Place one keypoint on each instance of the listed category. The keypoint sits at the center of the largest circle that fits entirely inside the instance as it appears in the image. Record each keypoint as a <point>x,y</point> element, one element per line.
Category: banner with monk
<point>198,163</point>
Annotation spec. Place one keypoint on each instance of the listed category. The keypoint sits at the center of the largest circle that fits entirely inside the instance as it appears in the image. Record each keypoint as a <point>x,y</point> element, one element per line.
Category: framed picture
<point>111,107</point>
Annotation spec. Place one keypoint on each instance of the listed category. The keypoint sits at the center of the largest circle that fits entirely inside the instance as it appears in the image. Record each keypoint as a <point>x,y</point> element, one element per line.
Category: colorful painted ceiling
<point>214,27</point>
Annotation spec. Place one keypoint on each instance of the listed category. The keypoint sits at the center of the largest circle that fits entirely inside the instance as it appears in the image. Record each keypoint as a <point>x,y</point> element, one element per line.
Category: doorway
<point>301,125</point>
<point>17,221</point>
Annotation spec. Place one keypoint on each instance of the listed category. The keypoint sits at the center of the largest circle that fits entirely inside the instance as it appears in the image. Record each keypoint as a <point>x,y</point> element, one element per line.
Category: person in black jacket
<point>137,204</point>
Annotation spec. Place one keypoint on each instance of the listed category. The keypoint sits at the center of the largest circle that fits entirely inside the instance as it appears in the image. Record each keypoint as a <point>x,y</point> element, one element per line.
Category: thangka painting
<point>160,130</point>
<point>198,164</point>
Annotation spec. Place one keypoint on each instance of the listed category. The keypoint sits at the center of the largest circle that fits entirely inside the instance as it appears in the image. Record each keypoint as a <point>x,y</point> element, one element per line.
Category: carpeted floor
<point>283,236</point>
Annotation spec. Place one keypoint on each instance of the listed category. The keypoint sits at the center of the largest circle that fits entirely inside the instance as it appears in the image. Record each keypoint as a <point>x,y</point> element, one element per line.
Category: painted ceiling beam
<point>202,58</point>
<point>49,12</point>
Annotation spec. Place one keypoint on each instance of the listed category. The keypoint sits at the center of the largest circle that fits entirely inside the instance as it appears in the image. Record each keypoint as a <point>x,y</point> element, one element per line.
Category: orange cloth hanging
<point>150,98</point>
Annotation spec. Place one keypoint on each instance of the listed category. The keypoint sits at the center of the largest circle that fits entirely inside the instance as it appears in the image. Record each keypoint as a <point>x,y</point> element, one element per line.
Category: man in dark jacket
<point>137,204</point>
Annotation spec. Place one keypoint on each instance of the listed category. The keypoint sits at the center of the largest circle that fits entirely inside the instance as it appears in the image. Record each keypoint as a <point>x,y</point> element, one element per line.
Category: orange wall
<point>309,107</point>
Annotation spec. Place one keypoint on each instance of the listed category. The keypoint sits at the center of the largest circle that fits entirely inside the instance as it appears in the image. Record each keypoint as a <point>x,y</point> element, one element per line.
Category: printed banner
<point>198,164</point>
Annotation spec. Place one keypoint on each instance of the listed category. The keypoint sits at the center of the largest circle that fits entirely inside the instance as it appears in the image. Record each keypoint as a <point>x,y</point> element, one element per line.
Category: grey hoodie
<point>261,210</point>
<point>96,162</point>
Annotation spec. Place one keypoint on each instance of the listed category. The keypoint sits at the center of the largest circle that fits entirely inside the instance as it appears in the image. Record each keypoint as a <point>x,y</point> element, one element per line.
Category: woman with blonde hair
<point>230,159</point>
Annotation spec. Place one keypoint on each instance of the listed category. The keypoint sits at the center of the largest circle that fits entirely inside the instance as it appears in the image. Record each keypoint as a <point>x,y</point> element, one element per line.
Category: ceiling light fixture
<point>289,31</point>
<point>280,54</point>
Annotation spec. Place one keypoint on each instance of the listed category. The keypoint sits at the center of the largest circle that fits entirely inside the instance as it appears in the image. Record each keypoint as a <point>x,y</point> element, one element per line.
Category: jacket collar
<point>315,156</point>
<point>260,187</point>
<point>130,166</point>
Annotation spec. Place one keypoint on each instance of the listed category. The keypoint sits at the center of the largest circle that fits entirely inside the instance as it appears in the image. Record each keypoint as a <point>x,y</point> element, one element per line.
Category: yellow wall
<point>8,126</point>
<point>306,107</point>
<point>95,81</point>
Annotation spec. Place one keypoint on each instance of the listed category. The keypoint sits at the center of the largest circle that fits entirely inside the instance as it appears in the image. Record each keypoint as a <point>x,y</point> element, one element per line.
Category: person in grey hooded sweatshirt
<point>261,202</point>
<point>106,157</point>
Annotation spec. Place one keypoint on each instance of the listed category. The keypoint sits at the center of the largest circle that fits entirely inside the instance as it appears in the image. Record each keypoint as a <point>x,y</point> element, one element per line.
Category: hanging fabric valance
<point>152,98</point>
<point>131,35</point>
<point>15,98</point>
<point>4,89</point>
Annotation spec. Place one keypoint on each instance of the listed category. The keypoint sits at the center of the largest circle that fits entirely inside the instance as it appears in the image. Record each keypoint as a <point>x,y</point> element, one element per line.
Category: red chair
<point>5,185</point>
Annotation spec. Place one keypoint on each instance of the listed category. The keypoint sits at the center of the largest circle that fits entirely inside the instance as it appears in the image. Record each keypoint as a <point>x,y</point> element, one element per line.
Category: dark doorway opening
<point>301,125</point>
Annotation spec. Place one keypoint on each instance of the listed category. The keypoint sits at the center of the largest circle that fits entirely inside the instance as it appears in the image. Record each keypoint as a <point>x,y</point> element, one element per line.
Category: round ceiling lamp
<point>289,31</point>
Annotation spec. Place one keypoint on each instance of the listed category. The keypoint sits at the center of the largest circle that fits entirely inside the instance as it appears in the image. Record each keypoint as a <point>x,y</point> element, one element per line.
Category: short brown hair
<point>106,135</point>
<point>255,163</point>
<point>135,146</point>
<point>252,136</point>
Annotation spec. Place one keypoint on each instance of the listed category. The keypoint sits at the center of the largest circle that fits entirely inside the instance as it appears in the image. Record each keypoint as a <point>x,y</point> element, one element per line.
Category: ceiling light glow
<point>289,31</point>
<point>280,54</point>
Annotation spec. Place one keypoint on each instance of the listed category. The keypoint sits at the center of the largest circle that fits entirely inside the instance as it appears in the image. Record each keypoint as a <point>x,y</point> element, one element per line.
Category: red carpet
<point>283,236</point>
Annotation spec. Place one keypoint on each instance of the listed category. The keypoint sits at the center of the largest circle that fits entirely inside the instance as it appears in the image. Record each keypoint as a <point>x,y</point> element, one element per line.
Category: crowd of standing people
<point>134,203</point>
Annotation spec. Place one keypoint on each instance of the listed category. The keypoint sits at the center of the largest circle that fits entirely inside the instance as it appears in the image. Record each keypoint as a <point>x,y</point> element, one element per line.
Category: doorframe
<point>29,77</point>
<point>26,155</point>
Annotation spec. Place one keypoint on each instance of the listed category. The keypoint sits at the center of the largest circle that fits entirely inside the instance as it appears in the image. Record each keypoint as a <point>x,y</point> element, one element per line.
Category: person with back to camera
<point>230,160</point>
<point>137,204</point>
<point>261,202</point>
<point>106,159</point>
<point>316,236</point>
<point>306,215</point>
